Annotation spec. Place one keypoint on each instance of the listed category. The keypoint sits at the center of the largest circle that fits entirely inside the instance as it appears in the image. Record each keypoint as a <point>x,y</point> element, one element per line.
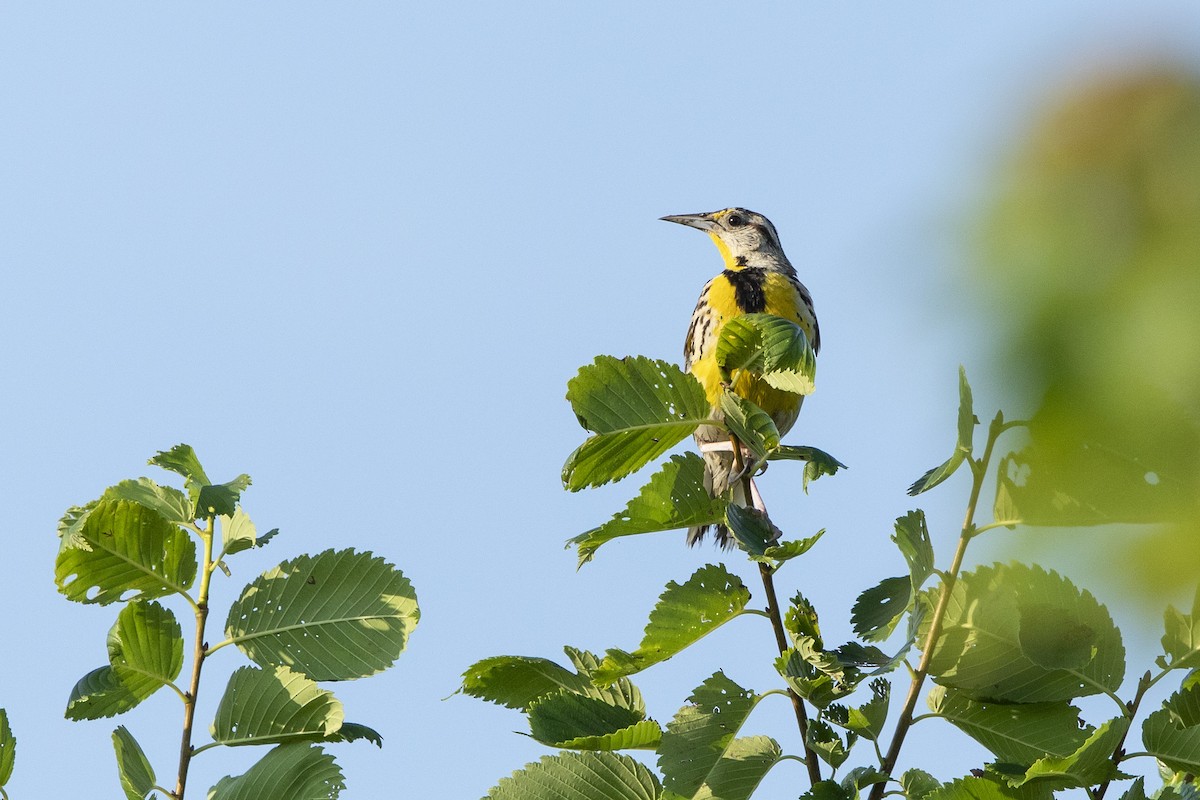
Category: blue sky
<point>356,250</point>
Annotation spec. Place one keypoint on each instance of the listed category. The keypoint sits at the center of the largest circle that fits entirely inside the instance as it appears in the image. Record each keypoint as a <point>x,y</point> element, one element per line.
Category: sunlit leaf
<point>1017,733</point>
<point>172,504</point>
<point>182,460</point>
<point>338,615</point>
<point>753,427</point>
<point>912,537</point>
<point>771,346</point>
<point>1181,639</point>
<point>695,741</point>
<point>576,721</point>
<point>287,772</point>
<point>517,681</point>
<point>8,748</point>
<point>145,650</point>
<point>137,776</point>
<point>1172,734</point>
<point>1090,765</point>
<point>674,498</point>
<point>580,776</point>
<point>238,532</point>
<point>272,707</point>
<point>987,788</point>
<point>638,408</point>
<point>684,614</point>
<point>962,446</point>
<point>918,784</point>
<point>1020,634</point>
<point>124,550</point>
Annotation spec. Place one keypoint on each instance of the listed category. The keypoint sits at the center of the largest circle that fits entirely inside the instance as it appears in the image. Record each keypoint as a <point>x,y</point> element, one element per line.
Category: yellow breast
<point>774,294</point>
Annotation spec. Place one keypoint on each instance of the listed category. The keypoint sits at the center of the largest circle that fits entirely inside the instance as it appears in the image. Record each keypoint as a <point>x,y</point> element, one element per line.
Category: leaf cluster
<point>338,615</point>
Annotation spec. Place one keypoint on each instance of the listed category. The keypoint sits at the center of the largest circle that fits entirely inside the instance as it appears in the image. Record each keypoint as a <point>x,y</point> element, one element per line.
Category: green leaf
<point>172,504</point>
<point>829,790</point>
<point>354,732</point>
<point>1090,765</point>
<point>868,719</point>
<point>752,530</point>
<point>8,748</point>
<point>338,615</point>
<point>918,784</point>
<point>819,462</point>
<point>145,647</point>
<point>272,707</point>
<point>181,459</point>
<point>145,650</point>
<point>878,610</point>
<point>287,772</point>
<point>124,551</point>
<point>685,613</point>
<point>1181,639</point>
<point>674,498</point>
<point>696,740</point>
<point>237,532</point>
<point>99,694</point>
<point>987,788</point>
<point>576,721</point>
<point>824,741</point>
<point>1172,734</point>
<point>1018,733</point>
<point>137,776</point>
<point>771,346</point>
<point>786,551</point>
<point>912,537</point>
<point>753,427</point>
<point>1020,634</point>
<point>1068,478</point>
<point>638,408</point>
<point>962,446</point>
<point>221,500</point>
<point>517,681</point>
<point>580,776</point>
<point>1137,791</point>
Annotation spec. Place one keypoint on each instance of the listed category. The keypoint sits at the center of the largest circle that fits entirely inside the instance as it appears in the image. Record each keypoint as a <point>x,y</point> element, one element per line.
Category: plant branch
<point>978,473</point>
<point>768,579</point>
<point>186,751</point>
<point>1131,709</point>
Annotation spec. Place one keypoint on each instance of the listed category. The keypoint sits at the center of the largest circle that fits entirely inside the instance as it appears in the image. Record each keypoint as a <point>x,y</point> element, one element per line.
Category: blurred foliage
<point>1091,258</point>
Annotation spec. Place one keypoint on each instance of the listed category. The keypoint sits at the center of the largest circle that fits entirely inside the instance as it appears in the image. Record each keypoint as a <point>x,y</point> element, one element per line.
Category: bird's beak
<point>702,222</point>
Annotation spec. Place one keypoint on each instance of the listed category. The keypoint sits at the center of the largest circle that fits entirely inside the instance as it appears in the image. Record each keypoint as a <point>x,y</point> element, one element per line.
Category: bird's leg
<point>756,500</point>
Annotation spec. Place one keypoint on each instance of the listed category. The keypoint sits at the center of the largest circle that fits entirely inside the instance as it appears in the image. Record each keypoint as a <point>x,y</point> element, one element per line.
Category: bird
<point>757,278</point>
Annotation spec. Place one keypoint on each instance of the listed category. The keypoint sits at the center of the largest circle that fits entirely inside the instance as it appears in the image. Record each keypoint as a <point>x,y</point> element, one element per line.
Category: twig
<point>979,472</point>
<point>186,750</point>
<point>768,579</point>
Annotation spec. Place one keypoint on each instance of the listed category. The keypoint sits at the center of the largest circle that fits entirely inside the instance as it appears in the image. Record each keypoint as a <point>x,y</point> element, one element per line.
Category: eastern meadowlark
<point>758,278</point>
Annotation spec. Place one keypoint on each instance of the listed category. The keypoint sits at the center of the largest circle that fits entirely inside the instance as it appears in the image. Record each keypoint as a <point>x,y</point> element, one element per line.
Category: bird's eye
<point>736,220</point>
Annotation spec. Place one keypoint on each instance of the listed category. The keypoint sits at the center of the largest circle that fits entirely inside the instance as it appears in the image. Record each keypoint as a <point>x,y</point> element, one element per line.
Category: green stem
<point>186,751</point>
<point>768,580</point>
<point>978,473</point>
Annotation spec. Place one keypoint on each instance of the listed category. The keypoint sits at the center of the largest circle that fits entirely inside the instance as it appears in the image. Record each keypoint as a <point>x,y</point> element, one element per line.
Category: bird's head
<point>744,238</point>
